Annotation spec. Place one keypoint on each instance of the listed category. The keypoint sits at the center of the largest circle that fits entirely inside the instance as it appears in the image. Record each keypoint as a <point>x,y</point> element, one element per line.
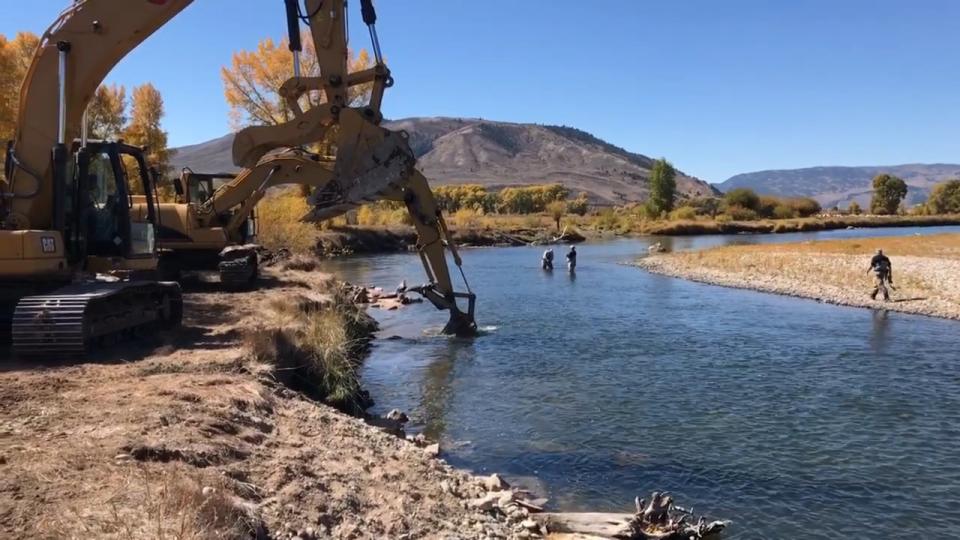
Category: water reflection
<point>881,327</point>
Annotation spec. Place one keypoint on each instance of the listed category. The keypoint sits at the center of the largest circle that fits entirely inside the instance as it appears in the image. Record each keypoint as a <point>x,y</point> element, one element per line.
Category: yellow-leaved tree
<point>107,112</point>
<point>252,81</point>
<point>15,56</point>
<point>146,111</point>
<point>250,85</point>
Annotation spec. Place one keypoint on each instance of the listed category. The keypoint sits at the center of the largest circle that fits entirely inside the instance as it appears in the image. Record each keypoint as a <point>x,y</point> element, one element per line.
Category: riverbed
<point>793,418</point>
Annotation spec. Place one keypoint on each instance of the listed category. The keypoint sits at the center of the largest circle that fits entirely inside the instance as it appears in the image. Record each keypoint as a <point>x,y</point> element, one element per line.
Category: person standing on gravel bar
<point>881,266</point>
<point>572,258</point>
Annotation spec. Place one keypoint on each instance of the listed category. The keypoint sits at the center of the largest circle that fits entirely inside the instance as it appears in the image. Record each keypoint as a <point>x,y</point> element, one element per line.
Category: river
<point>794,419</point>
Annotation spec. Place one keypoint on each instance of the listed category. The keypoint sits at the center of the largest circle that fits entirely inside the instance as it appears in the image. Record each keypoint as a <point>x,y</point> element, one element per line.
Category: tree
<point>853,208</point>
<point>663,187</point>
<point>742,197</point>
<point>578,205</point>
<point>144,127</point>
<point>888,191</point>
<point>106,113</point>
<point>251,82</point>
<point>945,198</point>
<point>556,210</point>
<point>15,58</point>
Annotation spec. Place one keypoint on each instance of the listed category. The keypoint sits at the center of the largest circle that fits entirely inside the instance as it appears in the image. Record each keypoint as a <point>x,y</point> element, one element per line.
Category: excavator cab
<point>101,227</point>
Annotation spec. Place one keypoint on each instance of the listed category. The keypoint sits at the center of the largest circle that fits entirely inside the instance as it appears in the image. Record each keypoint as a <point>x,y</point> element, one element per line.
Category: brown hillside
<point>497,154</point>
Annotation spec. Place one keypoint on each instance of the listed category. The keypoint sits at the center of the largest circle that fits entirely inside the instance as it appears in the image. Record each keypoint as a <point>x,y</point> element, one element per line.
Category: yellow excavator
<point>66,213</point>
<point>371,163</point>
<point>212,224</point>
<point>71,243</point>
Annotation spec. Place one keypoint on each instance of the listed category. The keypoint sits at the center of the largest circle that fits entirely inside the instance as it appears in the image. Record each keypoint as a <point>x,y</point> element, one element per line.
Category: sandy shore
<point>926,271</point>
<point>180,436</point>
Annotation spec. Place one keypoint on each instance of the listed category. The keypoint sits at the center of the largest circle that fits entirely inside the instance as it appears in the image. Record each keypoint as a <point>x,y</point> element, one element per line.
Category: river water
<point>794,419</point>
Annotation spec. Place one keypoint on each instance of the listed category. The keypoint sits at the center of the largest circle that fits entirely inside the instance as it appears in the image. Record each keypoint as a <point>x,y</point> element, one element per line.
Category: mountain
<point>498,154</point>
<point>839,186</point>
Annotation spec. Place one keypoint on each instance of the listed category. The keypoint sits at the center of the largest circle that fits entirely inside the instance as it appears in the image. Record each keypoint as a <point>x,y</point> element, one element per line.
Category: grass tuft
<point>314,345</point>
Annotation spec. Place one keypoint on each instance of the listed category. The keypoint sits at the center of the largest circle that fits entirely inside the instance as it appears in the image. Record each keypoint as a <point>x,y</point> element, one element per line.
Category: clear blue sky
<point>718,87</point>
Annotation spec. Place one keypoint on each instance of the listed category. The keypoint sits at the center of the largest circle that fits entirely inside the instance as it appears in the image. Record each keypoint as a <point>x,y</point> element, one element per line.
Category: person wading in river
<point>880,265</point>
<point>547,261</point>
<point>572,258</point>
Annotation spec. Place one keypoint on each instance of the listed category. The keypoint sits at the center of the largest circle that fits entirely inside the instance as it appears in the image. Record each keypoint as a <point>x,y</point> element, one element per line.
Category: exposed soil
<point>926,271</point>
<point>178,436</point>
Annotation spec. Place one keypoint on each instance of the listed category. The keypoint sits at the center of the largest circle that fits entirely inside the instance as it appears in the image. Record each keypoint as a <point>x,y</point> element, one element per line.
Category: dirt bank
<point>183,436</point>
<point>926,271</point>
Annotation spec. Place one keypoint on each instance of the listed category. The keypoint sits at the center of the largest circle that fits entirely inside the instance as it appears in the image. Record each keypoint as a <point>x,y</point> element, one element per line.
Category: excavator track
<point>69,320</point>
<point>238,266</point>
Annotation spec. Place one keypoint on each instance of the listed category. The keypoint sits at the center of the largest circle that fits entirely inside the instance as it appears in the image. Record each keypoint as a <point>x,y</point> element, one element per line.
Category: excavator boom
<point>85,43</point>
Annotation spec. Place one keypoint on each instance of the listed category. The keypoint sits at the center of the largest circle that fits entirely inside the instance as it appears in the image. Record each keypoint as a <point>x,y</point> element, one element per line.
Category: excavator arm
<point>372,163</point>
<point>241,195</point>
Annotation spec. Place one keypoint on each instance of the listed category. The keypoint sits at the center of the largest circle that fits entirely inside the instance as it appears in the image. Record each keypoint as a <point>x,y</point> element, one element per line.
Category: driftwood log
<point>656,519</point>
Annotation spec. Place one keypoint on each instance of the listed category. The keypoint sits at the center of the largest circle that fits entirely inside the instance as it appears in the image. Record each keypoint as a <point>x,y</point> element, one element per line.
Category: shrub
<point>767,205</point>
<point>684,212</point>
<point>383,214</point>
<point>739,213</point>
<point>782,211</point>
<point>742,197</point>
<point>578,205</point>
<point>854,209</point>
<point>280,226</point>
<point>805,206</point>
<point>705,206</point>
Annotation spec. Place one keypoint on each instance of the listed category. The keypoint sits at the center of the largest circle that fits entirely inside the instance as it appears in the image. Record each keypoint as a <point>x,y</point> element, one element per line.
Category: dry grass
<point>163,503</point>
<point>313,344</point>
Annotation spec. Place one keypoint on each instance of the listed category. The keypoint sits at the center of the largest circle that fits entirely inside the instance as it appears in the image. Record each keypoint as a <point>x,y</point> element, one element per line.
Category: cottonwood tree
<point>252,81</point>
<point>663,187</point>
<point>144,130</point>
<point>15,57</point>
<point>107,112</point>
<point>888,192</point>
<point>945,198</point>
<point>853,209</point>
<point>556,210</point>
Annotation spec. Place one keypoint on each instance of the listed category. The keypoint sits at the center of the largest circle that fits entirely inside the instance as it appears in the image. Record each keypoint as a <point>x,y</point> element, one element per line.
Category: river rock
<point>487,502</point>
<point>432,450</point>
<point>495,483</point>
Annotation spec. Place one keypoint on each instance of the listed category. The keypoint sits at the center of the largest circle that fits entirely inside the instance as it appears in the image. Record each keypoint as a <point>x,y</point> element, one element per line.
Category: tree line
<point>110,115</point>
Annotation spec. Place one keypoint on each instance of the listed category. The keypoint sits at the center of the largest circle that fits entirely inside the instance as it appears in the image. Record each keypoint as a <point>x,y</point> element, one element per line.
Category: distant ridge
<point>498,154</point>
<point>839,186</point>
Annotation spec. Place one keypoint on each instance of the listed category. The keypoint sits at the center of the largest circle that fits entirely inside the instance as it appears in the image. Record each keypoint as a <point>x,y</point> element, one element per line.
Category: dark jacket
<point>880,261</point>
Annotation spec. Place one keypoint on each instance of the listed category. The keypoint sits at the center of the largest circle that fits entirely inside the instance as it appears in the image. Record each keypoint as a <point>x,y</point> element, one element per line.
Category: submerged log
<point>658,519</point>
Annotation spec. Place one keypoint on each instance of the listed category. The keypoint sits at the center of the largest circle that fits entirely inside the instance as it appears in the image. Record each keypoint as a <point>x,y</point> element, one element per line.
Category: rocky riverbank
<point>926,271</point>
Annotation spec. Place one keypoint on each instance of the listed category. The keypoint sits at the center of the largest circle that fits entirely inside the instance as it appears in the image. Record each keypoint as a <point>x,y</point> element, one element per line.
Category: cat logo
<point>48,244</point>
